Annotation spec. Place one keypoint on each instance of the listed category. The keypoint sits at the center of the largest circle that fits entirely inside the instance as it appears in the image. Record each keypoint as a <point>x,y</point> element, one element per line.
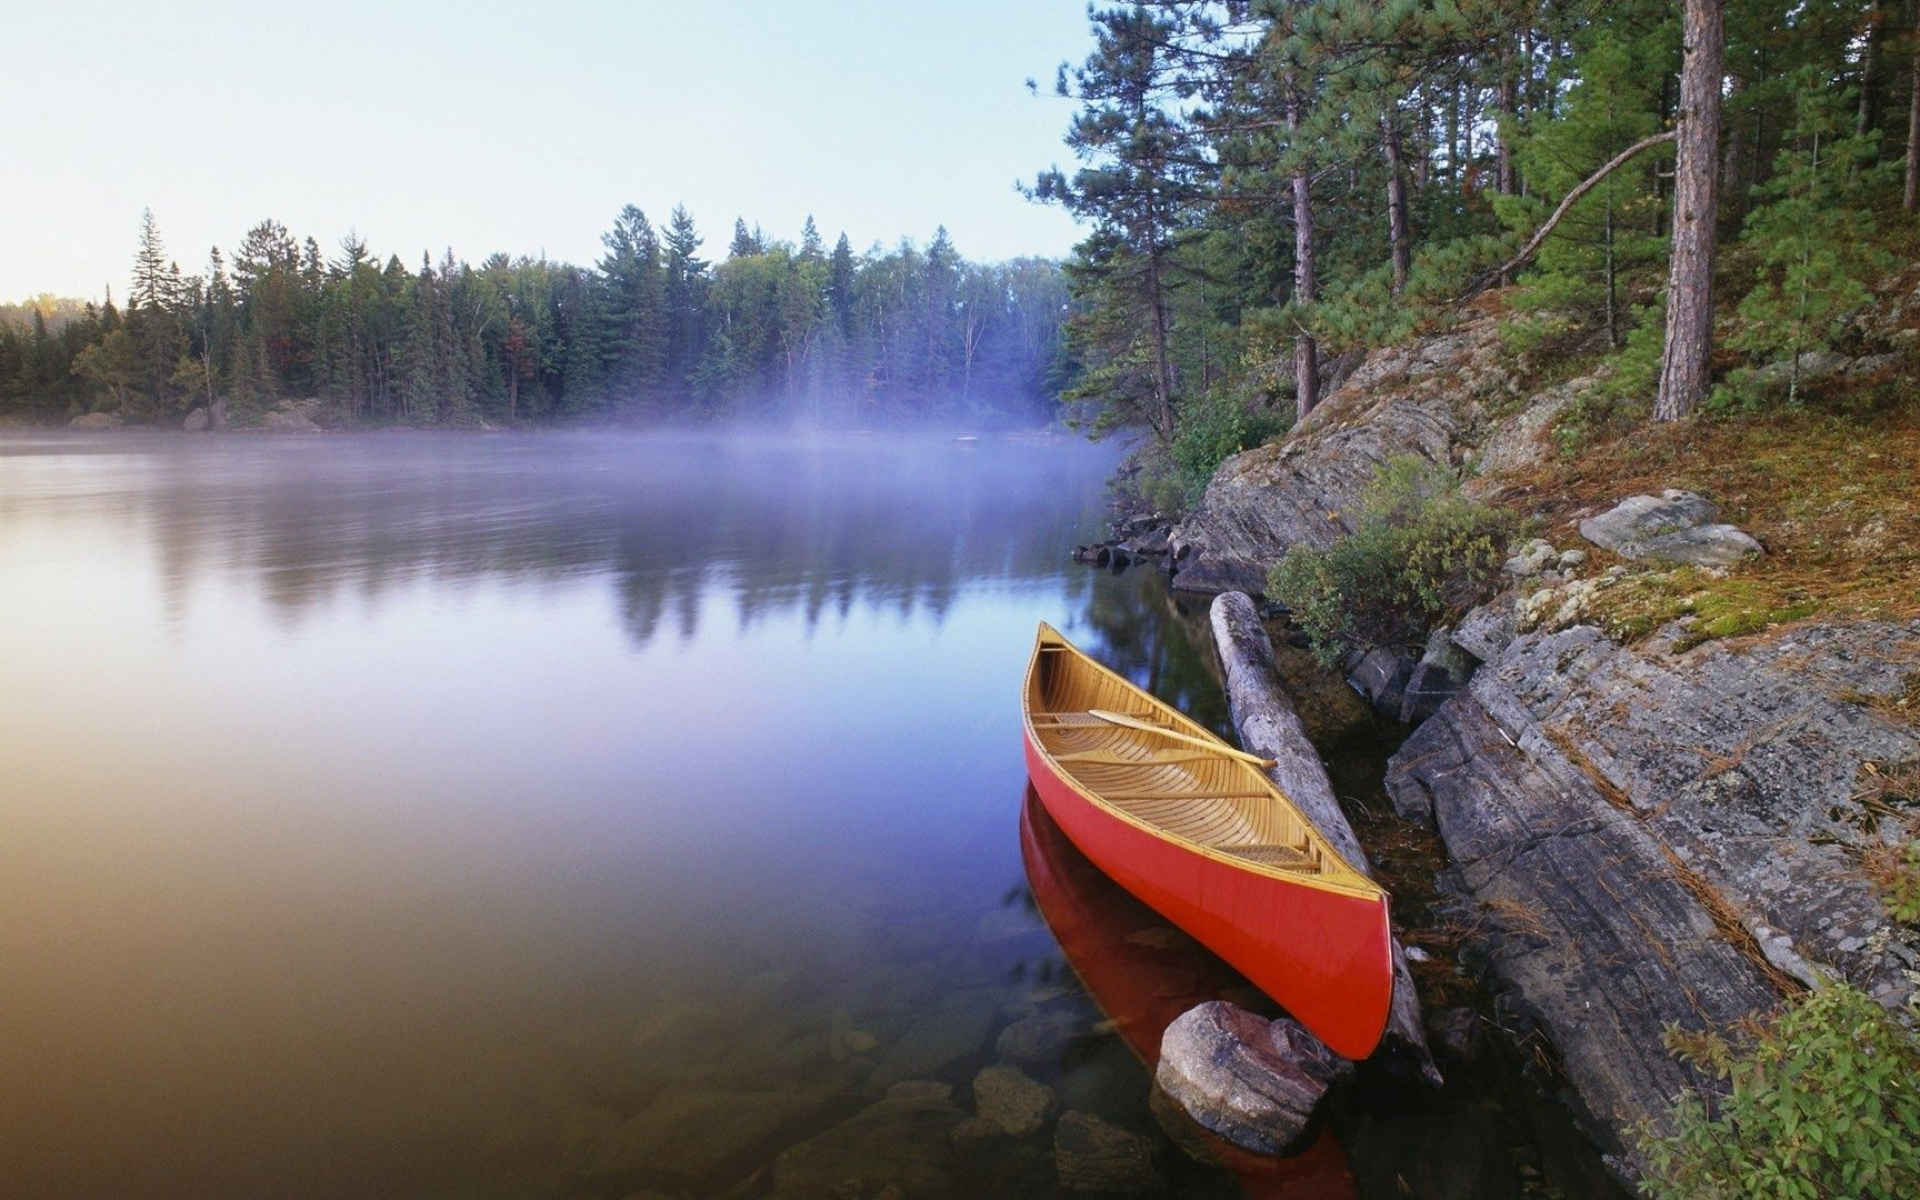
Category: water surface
<point>528,816</point>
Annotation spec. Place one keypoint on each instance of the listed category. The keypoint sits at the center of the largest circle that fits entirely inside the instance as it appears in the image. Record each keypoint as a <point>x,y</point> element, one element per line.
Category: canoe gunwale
<point>1347,880</point>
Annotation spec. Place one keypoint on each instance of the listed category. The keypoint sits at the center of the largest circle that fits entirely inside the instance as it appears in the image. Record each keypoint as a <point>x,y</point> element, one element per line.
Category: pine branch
<point>1566,205</point>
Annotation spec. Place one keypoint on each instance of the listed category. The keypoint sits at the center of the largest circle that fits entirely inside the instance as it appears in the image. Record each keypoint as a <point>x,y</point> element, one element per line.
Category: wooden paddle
<point>1114,718</point>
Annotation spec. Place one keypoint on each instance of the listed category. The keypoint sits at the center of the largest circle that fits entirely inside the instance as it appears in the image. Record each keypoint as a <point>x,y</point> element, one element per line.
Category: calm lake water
<point>587,818</point>
<point>535,817</point>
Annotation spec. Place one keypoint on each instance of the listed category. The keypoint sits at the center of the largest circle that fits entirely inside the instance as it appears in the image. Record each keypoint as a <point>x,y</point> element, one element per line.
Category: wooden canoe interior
<point>1185,792</point>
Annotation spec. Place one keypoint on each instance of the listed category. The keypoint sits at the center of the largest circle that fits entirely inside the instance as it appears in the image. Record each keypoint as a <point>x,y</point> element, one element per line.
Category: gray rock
<point>1038,1040</point>
<point>1426,399</point>
<point>1641,837</point>
<point>943,1038</point>
<point>1531,559</point>
<point>1254,1082</point>
<point>1709,547</point>
<point>195,422</point>
<point>1572,558</point>
<point>1674,527</point>
<point>1458,1033</point>
<point>1381,676</point>
<point>1094,1156</point>
<point>1486,631</point>
<point>95,422</point>
<point>1007,1097</point>
<point>904,1141</point>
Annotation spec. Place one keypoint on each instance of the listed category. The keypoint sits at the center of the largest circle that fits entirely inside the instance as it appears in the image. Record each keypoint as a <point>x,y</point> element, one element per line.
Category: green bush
<point>1420,555</point>
<point>1825,1105</point>
<point>1209,429</point>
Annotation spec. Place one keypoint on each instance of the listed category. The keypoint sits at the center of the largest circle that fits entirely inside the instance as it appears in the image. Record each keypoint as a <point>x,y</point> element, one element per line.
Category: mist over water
<point>372,804</point>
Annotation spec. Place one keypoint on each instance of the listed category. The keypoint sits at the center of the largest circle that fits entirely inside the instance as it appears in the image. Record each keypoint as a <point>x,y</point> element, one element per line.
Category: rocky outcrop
<point>1437,398</point>
<point>1643,837</point>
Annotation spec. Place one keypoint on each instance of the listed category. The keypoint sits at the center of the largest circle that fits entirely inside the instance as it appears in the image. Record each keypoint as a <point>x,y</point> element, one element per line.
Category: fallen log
<point>1269,727</point>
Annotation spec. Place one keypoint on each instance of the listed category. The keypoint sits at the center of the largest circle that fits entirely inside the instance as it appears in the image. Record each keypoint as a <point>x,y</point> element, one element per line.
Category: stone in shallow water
<point>901,1142</point>
<point>952,1033</point>
<point>1092,1155</point>
<point>1254,1082</point>
<point>1007,1097</point>
<point>1038,1040</point>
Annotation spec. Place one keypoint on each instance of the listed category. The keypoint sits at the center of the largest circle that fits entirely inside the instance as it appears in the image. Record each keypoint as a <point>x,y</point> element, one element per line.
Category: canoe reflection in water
<point>1143,973</point>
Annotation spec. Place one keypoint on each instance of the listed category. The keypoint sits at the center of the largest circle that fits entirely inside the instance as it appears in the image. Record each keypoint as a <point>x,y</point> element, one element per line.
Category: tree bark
<point>1306,350</point>
<point>1397,230</point>
<point>1689,344</point>
<point>1269,726</point>
<point>1910,198</point>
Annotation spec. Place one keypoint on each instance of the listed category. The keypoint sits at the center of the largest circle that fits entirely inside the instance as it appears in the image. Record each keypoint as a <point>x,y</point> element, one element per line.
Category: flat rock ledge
<point>1642,837</point>
<point>1254,1082</point>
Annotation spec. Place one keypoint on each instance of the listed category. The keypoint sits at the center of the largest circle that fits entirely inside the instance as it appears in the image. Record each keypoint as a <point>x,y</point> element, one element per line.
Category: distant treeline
<point>652,333</point>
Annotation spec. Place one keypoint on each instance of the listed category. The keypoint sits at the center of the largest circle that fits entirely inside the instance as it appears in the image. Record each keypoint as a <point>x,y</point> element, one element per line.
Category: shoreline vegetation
<point>280,336</point>
<point>1419,301</point>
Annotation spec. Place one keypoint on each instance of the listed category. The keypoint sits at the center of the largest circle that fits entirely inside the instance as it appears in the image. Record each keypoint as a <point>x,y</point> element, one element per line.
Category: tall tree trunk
<point>1870,74</point>
<point>1157,301</point>
<point>1689,344</point>
<point>1911,197</point>
<point>1306,351</point>
<point>1397,230</point>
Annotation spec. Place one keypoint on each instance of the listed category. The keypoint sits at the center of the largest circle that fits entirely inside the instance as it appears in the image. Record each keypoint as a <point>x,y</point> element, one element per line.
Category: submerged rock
<point>902,1142</point>
<point>1010,1099</point>
<point>695,1135</point>
<point>1254,1082</point>
<point>1038,1040</point>
<point>1092,1155</point>
<point>945,1037</point>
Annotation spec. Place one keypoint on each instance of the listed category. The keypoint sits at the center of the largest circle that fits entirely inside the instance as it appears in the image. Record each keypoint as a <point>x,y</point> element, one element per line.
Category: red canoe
<point>1197,831</point>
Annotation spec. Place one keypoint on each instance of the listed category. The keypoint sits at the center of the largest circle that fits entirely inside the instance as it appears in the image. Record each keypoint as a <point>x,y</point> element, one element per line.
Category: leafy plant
<point>1824,1105</point>
<point>1420,554</point>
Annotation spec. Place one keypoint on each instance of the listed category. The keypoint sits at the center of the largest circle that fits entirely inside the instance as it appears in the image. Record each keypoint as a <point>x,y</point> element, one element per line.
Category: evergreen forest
<point>654,332</point>
<point>1694,198</point>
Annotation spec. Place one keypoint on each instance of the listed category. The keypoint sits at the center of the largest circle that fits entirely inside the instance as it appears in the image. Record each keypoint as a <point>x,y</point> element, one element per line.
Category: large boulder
<point>95,422</point>
<point>1673,527</point>
<point>1255,1082</point>
<point>196,421</point>
<point>1643,837</point>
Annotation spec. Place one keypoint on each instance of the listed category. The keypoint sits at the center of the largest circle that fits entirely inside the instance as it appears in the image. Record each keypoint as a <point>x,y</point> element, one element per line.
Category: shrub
<point>1825,1105</point>
<point>1420,555</point>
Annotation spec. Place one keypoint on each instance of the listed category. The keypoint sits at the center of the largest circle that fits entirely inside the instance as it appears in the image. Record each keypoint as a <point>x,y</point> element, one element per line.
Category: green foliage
<point>1210,428</point>
<point>1824,1105</point>
<point>1420,554</point>
<point>1810,240</point>
<point>1902,886</point>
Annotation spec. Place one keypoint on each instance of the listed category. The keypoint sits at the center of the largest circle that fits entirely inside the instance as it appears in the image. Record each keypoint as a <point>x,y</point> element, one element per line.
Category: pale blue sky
<point>520,127</point>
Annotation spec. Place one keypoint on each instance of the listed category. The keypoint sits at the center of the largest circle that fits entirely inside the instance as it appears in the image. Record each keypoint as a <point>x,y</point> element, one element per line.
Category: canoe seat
<point>1272,854</point>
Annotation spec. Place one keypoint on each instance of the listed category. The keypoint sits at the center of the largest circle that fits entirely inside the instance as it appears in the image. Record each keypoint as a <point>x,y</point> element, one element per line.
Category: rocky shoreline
<point>1671,832</point>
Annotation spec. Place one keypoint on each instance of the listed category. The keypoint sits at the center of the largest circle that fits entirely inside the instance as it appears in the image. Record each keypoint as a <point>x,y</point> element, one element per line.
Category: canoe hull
<point>1323,954</point>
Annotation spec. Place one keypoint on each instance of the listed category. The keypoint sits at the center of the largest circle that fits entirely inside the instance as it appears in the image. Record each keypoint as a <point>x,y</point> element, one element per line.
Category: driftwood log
<point>1269,727</point>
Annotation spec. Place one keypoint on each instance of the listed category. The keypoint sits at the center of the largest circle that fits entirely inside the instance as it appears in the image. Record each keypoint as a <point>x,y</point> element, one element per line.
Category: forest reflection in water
<point>488,816</point>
